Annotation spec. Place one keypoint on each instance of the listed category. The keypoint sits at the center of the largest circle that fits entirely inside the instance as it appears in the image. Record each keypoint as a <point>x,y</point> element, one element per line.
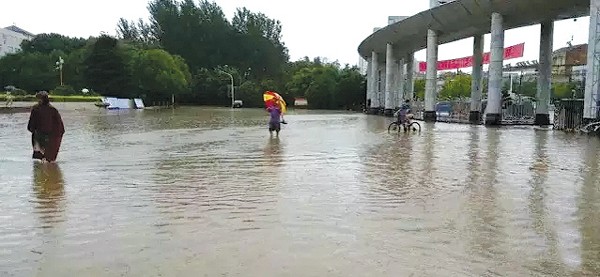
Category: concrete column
<point>374,90</point>
<point>401,92</point>
<point>493,112</point>
<point>390,64</point>
<point>431,76</point>
<point>592,80</point>
<point>381,88</point>
<point>542,116</point>
<point>409,89</point>
<point>370,81</point>
<point>477,80</point>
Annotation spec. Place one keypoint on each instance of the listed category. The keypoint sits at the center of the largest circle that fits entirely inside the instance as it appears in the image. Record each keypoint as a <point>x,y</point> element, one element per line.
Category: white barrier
<point>139,103</point>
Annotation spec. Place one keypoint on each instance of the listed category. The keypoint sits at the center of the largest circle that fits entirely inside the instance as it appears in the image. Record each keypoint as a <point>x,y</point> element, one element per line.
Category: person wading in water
<point>46,127</point>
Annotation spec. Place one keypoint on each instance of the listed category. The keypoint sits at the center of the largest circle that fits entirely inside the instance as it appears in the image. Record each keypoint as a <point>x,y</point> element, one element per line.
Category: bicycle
<point>408,126</point>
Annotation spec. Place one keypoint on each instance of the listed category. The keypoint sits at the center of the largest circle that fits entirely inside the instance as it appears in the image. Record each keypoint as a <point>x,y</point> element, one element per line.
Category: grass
<point>53,98</point>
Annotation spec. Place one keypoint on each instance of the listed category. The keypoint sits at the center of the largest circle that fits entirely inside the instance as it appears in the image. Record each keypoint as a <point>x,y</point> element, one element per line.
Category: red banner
<point>512,52</point>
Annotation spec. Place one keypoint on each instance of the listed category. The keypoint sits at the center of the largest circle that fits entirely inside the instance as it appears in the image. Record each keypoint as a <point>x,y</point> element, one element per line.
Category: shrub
<point>64,90</point>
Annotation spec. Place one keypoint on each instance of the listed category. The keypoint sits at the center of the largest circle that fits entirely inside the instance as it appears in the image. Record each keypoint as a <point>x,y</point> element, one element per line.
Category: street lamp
<point>232,90</point>
<point>59,66</point>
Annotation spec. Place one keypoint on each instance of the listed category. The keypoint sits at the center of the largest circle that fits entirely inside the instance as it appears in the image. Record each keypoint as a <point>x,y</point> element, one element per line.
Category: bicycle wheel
<point>415,126</point>
<point>393,127</point>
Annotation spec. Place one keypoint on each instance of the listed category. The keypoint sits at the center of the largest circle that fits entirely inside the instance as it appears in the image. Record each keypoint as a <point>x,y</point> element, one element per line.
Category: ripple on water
<point>196,189</point>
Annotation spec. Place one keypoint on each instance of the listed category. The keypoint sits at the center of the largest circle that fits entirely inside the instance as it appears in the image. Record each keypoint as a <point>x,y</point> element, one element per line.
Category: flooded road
<point>206,192</point>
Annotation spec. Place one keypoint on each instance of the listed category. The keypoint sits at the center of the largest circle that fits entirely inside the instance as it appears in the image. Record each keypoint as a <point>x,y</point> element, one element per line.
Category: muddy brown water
<point>205,192</point>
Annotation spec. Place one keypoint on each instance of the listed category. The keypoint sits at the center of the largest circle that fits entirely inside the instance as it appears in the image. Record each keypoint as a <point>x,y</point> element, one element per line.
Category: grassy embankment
<point>53,98</point>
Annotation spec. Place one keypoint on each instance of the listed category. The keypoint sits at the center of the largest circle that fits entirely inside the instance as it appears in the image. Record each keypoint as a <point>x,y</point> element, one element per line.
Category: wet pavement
<point>205,191</point>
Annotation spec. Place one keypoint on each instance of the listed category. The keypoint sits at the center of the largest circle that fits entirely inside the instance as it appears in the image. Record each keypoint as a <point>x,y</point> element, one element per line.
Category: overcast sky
<point>326,28</point>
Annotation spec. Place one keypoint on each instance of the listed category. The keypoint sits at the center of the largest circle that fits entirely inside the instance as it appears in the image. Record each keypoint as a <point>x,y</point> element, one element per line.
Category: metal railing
<point>568,115</point>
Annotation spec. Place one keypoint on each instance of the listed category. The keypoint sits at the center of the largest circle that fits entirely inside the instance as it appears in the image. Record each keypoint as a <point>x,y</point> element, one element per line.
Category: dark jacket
<point>45,119</point>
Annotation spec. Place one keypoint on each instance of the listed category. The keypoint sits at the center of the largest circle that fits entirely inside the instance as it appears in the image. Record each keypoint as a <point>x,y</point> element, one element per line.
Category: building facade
<point>11,38</point>
<point>565,61</point>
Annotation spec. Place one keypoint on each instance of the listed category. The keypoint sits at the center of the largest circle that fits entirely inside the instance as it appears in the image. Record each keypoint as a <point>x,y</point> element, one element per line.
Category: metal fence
<point>519,111</point>
<point>568,115</point>
<point>514,112</point>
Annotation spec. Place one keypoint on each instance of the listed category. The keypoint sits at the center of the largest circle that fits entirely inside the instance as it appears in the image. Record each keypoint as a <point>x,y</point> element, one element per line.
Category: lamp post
<point>232,90</point>
<point>59,66</point>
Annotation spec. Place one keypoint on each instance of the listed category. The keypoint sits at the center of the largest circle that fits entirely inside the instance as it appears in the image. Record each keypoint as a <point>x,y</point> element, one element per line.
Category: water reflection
<point>428,161</point>
<point>485,227</point>
<point>274,152</point>
<point>474,158</point>
<point>542,225</point>
<point>182,191</point>
<point>48,186</point>
<point>588,207</point>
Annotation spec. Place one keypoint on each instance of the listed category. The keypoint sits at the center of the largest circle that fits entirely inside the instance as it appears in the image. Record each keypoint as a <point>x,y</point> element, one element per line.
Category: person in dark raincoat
<point>46,127</point>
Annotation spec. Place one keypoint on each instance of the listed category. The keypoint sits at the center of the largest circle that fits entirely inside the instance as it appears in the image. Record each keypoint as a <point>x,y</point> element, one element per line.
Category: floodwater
<point>206,192</point>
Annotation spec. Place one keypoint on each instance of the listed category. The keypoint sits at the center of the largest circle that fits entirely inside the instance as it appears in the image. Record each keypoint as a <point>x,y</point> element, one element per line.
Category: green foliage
<point>28,71</point>
<point>321,89</point>
<point>351,89</point>
<point>64,90</point>
<point>53,98</point>
<point>420,89</point>
<point>567,90</point>
<point>326,86</point>
<point>105,68</point>
<point>158,74</point>
<point>47,43</point>
<point>457,86</point>
<point>525,88</point>
<point>184,49</point>
<point>251,93</point>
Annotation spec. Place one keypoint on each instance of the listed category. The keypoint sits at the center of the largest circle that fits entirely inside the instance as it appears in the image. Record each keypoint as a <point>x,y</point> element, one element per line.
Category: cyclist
<point>403,114</point>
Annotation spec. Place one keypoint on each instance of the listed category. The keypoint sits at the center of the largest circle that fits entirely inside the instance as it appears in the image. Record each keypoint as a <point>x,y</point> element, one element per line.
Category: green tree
<point>420,89</point>
<point>47,43</point>
<point>29,71</point>
<point>457,86</point>
<point>106,70</point>
<point>525,88</point>
<point>250,92</point>
<point>351,89</point>
<point>157,74</point>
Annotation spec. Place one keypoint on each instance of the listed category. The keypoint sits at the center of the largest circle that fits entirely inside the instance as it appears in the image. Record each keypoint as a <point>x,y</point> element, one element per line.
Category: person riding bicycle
<point>403,114</point>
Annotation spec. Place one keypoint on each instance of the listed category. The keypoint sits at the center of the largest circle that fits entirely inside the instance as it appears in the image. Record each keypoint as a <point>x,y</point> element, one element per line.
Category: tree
<point>29,71</point>
<point>564,90</point>
<point>257,24</point>
<point>158,74</point>
<point>251,93</point>
<point>526,88</point>
<point>106,70</point>
<point>47,43</point>
<point>420,89</point>
<point>351,88</point>
<point>458,86</point>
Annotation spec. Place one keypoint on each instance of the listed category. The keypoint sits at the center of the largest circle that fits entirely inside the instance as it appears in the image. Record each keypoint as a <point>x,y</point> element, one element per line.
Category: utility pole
<point>59,66</point>
<point>232,90</point>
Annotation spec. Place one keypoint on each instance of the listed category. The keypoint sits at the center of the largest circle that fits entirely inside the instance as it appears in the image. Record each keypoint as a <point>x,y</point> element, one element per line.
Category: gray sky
<point>326,28</point>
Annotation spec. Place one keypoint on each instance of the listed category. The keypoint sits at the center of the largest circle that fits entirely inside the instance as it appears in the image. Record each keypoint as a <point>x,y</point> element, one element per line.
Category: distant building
<point>568,63</point>
<point>11,38</point>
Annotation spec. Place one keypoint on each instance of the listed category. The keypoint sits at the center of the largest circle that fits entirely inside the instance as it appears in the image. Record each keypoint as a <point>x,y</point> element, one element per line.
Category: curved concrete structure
<point>461,19</point>
<point>466,18</point>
